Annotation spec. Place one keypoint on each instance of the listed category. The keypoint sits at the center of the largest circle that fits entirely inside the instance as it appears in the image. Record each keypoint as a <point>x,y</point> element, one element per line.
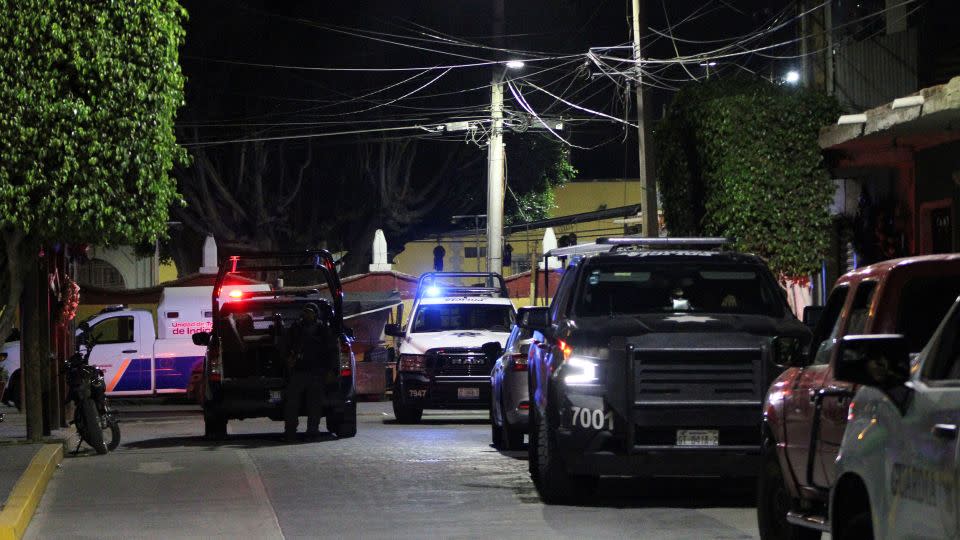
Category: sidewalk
<point>25,469</point>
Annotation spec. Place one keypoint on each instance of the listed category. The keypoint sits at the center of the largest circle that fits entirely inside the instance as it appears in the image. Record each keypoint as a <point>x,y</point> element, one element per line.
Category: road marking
<point>259,491</point>
<point>156,467</point>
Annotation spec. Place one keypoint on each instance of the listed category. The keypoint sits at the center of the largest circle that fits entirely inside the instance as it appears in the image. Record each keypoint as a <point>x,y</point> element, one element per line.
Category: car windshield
<point>665,288</point>
<point>441,317</point>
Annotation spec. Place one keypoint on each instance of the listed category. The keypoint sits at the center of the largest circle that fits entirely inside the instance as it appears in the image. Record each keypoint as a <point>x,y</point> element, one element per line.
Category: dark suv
<point>256,301</point>
<point>652,360</point>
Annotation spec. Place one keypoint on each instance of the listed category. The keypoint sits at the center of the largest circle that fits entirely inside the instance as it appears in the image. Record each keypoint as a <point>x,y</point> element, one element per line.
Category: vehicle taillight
<point>236,294</point>
<point>413,362</point>
<point>524,406</point>
<point>214,362</point>
<point>346,357</point>
<point>519,362</point>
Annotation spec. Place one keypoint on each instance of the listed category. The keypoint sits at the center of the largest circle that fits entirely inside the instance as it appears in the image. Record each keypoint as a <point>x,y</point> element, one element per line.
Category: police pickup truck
<point>248,349</point>
<point>441,364</point>
<point>898,470</point>
<point>652,360</point>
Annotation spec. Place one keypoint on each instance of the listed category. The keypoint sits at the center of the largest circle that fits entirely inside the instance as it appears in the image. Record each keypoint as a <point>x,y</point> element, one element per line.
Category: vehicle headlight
<point>413,362</point>
<point>580,370</point>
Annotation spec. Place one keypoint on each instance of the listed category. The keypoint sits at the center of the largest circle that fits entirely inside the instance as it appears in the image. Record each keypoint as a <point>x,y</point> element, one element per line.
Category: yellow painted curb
<point>25,497</point>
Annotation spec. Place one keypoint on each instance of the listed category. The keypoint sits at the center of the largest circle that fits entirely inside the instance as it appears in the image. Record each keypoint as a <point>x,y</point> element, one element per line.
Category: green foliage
<point>535,166</point>
<point>739,158</point>
<point>88,94</point>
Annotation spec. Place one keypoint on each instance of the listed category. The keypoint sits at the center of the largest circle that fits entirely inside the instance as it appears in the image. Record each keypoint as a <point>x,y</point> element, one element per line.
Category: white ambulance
<point>140,358</point>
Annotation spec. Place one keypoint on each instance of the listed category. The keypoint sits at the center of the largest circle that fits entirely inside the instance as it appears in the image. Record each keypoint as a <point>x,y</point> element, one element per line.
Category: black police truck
<point>652,360</point>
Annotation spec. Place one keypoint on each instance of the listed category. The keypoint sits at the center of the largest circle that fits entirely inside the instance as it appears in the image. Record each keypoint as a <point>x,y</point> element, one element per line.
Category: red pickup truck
<point>805,411</point>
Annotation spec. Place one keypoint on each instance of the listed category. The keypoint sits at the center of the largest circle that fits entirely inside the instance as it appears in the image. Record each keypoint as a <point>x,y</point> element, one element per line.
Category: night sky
<point>247,65</point>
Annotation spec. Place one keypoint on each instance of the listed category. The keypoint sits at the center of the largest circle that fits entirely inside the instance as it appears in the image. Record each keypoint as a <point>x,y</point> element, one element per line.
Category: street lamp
<point>495,157</point>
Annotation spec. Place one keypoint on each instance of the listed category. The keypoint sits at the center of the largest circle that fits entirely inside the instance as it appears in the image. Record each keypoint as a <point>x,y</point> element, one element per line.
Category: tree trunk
<point>43,345</point>
<point>30,351</point>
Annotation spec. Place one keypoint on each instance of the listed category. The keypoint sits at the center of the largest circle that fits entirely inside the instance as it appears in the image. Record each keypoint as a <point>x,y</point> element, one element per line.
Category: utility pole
<point>495,189</point>
<point>495,154</point>
<point>648,187</point>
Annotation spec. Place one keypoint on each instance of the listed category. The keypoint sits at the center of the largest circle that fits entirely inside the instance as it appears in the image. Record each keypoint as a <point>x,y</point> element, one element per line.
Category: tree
<point>88,94</point>
<point>739,158</point>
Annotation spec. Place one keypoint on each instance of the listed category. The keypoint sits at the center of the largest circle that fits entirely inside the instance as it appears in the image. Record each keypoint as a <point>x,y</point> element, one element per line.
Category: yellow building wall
<point>573,198</point>
<point>168,272</point>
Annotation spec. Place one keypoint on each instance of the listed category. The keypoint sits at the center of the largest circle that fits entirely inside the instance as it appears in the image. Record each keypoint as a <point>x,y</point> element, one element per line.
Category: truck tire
<point>774,501</point>
<point>554,484</point>
<point>343,424</point>
<point>214,425</point>
<point>858,527</point>
<point>404,413</point>
<point>90,426</point>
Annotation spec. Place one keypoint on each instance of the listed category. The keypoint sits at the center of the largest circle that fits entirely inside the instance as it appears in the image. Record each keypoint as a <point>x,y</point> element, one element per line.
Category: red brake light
<point>524,406</point>
<point>236,294</point>
<point>519,362</point>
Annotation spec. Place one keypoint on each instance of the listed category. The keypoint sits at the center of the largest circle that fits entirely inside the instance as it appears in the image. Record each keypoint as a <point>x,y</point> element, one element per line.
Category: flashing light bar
<point>433,291</point>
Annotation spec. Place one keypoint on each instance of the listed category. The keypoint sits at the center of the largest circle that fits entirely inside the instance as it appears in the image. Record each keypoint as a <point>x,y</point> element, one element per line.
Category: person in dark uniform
<point>309,351</point>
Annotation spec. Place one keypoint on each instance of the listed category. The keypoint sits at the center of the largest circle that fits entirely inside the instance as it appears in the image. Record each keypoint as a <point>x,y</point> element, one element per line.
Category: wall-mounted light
<point>905,102</point>
<point>852,119</point>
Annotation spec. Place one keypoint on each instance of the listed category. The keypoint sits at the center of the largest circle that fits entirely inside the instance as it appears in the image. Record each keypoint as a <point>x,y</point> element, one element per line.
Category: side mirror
<point>880,360</point>
<point>201,339</point>
<point>811,316</point>
<point>787,351</point>
<point>492,350</point>
<point>393,330</point>
<point>533,318</point>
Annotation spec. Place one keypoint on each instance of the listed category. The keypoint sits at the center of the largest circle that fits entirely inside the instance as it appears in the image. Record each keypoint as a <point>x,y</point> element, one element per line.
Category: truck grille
<point>697,375</point>
<point>462,364</point>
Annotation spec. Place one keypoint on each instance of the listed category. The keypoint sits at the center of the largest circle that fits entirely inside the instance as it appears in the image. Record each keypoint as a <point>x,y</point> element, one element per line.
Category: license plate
<point>698,437</point>
<point>468,393</point>
<point>276,396</point>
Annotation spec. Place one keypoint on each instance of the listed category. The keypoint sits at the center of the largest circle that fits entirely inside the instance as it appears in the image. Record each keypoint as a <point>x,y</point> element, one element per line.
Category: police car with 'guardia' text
<point>441,364</point>
<point>899,465</point>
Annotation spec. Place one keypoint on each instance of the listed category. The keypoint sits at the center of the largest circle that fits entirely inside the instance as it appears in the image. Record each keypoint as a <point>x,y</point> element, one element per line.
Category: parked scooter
<point>87,390</point>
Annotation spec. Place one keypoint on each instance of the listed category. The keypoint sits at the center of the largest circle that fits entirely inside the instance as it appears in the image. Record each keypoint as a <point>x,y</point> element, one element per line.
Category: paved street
<point>440,479</point>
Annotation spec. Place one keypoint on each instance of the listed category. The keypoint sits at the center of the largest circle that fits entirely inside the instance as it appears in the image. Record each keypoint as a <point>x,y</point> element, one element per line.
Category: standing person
<point>311,343</point>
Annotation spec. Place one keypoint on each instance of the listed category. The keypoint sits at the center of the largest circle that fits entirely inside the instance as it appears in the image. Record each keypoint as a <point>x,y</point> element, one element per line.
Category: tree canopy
<point>739,158</point>
<point>88,95</point>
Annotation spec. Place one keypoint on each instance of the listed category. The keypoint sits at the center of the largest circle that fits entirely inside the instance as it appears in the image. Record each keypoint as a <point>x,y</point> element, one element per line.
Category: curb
<point>26,494</point>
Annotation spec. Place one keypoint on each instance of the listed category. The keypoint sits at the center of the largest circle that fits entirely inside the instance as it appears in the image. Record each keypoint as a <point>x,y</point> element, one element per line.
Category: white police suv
<point>441,364</point>
<point>898,473</point>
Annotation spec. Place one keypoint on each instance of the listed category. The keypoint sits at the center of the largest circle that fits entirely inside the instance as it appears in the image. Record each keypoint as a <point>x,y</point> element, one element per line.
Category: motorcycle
<point>92,417</point>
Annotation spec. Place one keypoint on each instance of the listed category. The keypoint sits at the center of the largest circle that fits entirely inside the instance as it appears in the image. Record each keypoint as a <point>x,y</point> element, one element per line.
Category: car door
<point>923,470</point>
<point>125,370</point>
<point>799,402</point>
<point>836,401</point>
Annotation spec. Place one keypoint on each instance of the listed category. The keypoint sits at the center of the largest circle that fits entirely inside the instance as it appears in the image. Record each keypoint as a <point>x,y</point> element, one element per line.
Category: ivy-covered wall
<point>739,158</point>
